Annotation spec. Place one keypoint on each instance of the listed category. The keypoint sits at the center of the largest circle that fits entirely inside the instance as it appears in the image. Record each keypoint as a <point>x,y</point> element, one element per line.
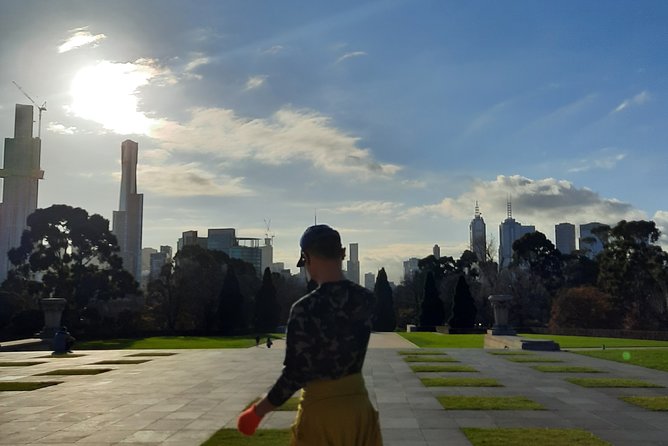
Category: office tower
<point>267,253</point>
<point>564,235</point>
<point>157,261</point>
<point>146,259</point>
<point>436,251</point>
<point>167,250</point>
<point>21,172</point>
<point>478,235</point>
<point>128,220</point>
<point>590,244</point>
<point>222,239</point>
<point>509,231</point>
<point>369,281</point>
<point>353,265</point>
<point>410,267</point>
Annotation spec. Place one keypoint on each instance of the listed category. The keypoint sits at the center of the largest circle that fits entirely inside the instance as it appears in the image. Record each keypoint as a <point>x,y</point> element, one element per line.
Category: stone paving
<point>183,399</point>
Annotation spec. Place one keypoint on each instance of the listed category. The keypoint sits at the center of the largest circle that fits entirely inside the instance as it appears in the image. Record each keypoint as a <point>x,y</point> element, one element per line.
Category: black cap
<point>320,239</point>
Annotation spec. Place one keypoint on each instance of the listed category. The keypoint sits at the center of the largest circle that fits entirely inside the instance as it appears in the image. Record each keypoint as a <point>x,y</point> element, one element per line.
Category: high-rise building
<point>436,251</point>
<point>590,243</point>
<point>21,172</point>
<point>353,265</point>
<point>157,260</point>
<point>167,250</point>
<point>189,238</point>
<point>410,267</point>
<point>478,235</point>
<point>369,281</point>
<point>221,239</point>
<point>267,253</point>
<point>225,240</point>
<point>128,220</point>
<point>564,234</point>
<point>509,231</point>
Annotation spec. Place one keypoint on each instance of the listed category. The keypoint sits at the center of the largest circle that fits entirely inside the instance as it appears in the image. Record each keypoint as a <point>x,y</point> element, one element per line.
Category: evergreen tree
<point>266,305</point>
<point>384,317</point>
<point>431,310</point>
<point>463,307</point>
<point>231,316</point>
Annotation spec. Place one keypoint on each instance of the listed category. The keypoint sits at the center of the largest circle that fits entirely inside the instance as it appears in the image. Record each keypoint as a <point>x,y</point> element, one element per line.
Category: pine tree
<point>384,318</point>
<point>266,305</point>
<point>231,316</point>
<point>463,306</point>
<point>431,311</point>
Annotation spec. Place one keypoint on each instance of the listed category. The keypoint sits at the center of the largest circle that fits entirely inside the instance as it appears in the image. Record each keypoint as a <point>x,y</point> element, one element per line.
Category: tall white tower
<point>128,220</point>
<point>478,235</point>
<point>21,173</point>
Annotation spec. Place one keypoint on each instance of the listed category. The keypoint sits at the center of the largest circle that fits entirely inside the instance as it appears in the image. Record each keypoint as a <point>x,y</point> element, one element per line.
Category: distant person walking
<point>327,338</point>
<point>257,340</point>
<point>269,342</point>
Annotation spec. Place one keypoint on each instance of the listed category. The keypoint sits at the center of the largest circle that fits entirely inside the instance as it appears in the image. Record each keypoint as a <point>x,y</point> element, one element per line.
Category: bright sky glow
<point>80,37</point>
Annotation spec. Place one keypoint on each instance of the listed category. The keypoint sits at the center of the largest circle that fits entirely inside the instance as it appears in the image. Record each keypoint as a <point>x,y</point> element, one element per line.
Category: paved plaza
<point>183,399</point>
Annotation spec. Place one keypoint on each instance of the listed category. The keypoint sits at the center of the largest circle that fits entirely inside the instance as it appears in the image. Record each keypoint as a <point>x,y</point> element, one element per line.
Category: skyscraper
<point>436,251</point>
<point>590,244</point>
<point>564,234</point>
<point>353,265</point>
<point>369,281</point>
<point>410,267</point>
<point>21,173</point>
<point>509,231</point>
<point>128,220</point>
<point>478,235</point>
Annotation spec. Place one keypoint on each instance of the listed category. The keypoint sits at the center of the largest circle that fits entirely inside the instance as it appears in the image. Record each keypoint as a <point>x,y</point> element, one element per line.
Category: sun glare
<point>107,93</point>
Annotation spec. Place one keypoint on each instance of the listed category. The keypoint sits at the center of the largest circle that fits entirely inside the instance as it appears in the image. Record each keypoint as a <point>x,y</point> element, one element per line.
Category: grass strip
<point>593,342</point>
<point>21,363</point>
<point>420,358</point>
<point>657,403</point>
<point>13,386</point>
<point>74,372</point>
<point>460,382</point>
<point>611,382</point>
<point>529,436</point>
<point>420,352</point>
<point>152,354</point>
<point>442,368</point>
<point>531,359</point>
<point>564,369</point>
<point>262,437</point>
<point>122,361</point>
<point>488,403</point>
<point>652,359</point>
<point>438,340</point>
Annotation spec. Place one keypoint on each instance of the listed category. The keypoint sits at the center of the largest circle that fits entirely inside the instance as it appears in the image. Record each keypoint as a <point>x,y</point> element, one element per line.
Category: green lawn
<point>652,359</point>
<point>12,386</point>
<point>531,359</point>
<point>74,372</point>
<point>173,342</point>
<point>591,342</point>
<point>421,352</point>
<point>460,382</point>
<point>658,403</point>
<point>122,361</point>
<point>488,403</point>
<point>610,382</point>
<point>20,363</point>
<point>531,436</point>
<point>565,369</point>
<point>262,437</point>
<point>422,358</point>
<point>442,368</point>
<point>438,340</point>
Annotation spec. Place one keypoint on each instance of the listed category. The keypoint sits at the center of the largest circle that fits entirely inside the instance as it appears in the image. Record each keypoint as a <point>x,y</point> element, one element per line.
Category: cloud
<point>78,38</point>
<point>543,203</point>
<point>351,55</point>
<point>288,135</point>
<point>198,60</point>
<point>367,208</point>
<point>273,50</point>
<point>604,162</point>
<point>254,82</point>
<point>661,220</point>
<point>55,127</point>
<point>639,99</point>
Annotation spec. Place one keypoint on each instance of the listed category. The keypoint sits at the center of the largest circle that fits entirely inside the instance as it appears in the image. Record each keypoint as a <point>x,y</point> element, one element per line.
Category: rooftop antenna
<point>315,216</point>
<point>477,209</point>
<point>509,207</point>
<point>41,108</point>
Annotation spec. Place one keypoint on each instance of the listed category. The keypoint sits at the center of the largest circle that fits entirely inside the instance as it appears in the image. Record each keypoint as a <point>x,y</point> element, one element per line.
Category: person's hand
<point>248,421</point>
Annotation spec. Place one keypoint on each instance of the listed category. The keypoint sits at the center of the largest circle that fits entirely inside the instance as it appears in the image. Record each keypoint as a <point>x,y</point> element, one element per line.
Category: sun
<point>107,93</point>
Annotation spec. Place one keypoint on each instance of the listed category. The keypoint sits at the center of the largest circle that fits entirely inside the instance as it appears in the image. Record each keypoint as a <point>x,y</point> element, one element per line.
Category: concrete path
<point>183,399</point>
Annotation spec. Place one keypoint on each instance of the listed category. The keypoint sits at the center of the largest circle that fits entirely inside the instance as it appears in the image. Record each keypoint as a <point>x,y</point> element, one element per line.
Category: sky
<point>387,119</point>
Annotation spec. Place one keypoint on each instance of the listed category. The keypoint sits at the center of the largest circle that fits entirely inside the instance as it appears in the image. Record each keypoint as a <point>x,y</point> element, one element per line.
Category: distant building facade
<point>436,251</point>
<point>564,235</point>
<point>225,240</point>
<point>128,220</point>
<point>478,235</point>
<point>369,281</point>
<point>509,231</point>
<point>267,253</point>
<point>21,173</point>
<point>589,243</point>
<point>353,264</point>
<point>410,267</point>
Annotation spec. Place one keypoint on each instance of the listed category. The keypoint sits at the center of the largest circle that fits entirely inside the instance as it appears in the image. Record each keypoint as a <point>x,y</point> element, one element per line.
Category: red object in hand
<point>248,421</point>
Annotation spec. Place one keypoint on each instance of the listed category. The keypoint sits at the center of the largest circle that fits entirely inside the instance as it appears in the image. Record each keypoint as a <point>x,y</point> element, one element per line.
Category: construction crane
<point>268,235</point>
<point>41,108</point>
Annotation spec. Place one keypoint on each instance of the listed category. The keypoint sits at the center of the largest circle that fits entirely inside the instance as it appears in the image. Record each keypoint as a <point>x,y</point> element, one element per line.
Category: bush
<point>583,307</point>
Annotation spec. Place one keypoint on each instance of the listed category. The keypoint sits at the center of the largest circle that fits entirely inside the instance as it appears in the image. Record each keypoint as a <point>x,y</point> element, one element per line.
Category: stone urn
<point>53,311</point>
<point>500,305</point>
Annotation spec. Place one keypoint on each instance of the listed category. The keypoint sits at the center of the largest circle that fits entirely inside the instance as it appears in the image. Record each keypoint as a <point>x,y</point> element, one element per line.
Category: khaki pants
<point>336,413</point>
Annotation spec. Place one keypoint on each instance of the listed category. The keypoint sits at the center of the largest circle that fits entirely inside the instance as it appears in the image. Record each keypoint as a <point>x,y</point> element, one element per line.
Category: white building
<point>478,235</point>
<point>509,231</point>
<point>564,235</point>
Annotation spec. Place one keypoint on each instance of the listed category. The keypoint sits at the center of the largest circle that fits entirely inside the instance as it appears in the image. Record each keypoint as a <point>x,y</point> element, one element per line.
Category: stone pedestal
<point>53,311</point>
<point>500,304</point>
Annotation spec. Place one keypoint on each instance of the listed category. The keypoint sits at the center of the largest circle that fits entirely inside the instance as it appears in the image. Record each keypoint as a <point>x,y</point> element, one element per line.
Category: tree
<point>266,305</point>
<point>463,308</point>
<point>384,318</point>
<point>231,316</point>
<point>582,307</point>
<point>536,253</point>
<point>431,310</point>
<point>68,253</point>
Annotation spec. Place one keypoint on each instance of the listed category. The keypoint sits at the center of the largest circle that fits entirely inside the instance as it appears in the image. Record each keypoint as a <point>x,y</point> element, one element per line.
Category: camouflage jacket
<point>328,334</point>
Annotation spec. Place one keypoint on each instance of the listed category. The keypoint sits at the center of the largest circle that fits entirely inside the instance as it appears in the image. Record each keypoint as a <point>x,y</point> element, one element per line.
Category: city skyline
<point>389,118</point>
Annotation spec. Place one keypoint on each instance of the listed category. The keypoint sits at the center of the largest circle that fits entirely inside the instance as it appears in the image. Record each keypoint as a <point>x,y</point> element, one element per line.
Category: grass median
<point>612,382</point>
<point>530,436</point>
<point>488,403</point>
<point>652,359</point>
<point>262,437</point>
<point>460,382</point>
<point>656,403</point>
<point>442,368</point>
